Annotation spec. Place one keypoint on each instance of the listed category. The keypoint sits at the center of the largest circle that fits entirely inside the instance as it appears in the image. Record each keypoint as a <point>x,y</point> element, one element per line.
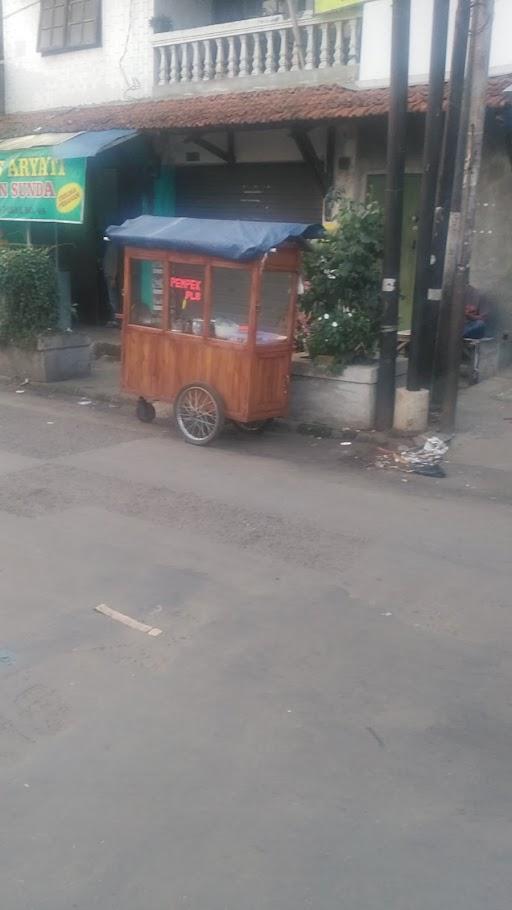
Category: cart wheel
<point>145,411</point>
<point>254,426</point>
<point>199,413</point>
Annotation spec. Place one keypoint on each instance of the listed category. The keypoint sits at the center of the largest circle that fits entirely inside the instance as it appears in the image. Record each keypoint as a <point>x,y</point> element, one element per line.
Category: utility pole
<point>476,84</point>
<point>436,332</point>
<point>397,130</point>
<point>417,373</point>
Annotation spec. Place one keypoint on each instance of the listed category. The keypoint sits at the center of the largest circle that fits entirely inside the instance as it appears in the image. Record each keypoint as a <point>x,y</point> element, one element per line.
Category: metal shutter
<point>250,192</point>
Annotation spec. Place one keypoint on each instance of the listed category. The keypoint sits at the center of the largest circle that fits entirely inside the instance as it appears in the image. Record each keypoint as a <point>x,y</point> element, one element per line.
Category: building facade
<point>247,112</point>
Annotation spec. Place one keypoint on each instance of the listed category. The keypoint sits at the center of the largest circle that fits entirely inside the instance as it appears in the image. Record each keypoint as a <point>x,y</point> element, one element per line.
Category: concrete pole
<point>455,124</point>
<point>418,375</point>
<point>395,174</point>
<point>461,232</point>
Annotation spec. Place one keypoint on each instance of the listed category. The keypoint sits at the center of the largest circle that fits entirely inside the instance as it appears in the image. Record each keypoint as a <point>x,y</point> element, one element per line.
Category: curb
<point>122,399</point>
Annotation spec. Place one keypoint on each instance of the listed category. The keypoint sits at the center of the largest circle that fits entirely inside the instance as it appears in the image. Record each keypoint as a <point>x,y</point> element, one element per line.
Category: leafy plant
<point>29,298</point>
<point>347,335</point>
<point>343,272</point>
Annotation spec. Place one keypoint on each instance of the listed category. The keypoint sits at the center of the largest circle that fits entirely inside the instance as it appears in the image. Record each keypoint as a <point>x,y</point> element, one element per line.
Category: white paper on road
<point>128,621</point>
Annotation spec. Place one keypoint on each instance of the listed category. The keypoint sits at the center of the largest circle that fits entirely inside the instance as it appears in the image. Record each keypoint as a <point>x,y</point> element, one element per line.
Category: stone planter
<point>321,398</point>
<point>56,356</point>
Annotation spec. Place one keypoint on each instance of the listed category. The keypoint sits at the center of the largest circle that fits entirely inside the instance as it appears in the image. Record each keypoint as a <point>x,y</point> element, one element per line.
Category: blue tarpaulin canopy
<point>238,240</point>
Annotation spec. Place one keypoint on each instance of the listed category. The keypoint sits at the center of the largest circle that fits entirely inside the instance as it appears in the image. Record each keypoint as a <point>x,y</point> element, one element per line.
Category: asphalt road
<point>325,721</point>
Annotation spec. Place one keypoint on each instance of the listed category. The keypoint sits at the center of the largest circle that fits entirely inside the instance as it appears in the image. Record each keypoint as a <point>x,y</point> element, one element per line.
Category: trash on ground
<point>20,391</point>
<point>345,443</point>
<point>423,459</point>
<point>429,470</point>
<point>152,631</point>
<point>85,401</point>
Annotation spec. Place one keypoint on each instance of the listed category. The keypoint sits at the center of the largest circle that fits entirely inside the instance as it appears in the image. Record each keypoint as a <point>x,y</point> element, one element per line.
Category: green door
<point>376,188</point>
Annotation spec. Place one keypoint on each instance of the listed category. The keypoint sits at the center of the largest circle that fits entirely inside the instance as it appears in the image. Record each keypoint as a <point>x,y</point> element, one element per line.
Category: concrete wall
<point>376,39</point>
<point>370,148</point>
<point>251,147</point>
<point>491,269</point>
<point>121,69</point>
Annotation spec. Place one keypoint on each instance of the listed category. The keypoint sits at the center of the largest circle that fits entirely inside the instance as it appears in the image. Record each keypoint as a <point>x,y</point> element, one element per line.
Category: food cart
<point>209,317</point>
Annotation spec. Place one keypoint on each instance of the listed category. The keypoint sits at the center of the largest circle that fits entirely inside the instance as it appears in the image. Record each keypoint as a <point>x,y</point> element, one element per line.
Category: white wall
<point>376,39</point>
<point>121,69</point>
<point>251,147</point>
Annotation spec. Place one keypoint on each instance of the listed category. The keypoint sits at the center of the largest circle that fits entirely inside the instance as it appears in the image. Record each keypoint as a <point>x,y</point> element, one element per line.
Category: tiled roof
<point>304,104</point>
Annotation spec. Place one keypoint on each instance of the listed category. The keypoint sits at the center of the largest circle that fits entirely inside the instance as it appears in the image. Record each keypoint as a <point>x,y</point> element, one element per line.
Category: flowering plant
<point>343,272</point>
<point>346,335</point>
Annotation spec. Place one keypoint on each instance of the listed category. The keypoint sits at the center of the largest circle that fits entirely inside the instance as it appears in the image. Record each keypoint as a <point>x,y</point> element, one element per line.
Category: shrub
<point>343,271</point>
<point>29,297</point>
<point>346,335</point>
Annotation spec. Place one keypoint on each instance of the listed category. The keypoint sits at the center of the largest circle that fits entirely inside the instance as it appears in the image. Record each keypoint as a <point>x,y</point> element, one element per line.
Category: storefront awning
<point>68,145</point>
<point>43,175</point>
<point>237,240</point>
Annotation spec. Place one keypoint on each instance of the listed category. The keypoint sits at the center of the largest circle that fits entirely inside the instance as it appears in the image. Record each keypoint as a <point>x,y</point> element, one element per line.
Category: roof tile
<point>305,104</point>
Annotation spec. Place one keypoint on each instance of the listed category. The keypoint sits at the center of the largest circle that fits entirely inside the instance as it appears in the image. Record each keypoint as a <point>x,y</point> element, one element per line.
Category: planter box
<point>321,398</point>
<point>60,355</point>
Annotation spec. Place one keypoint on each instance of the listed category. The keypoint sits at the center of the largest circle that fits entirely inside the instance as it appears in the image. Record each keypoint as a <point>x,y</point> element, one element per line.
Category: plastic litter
<point>425,459</point>
<point>85,401</point>
<point>345,443</point>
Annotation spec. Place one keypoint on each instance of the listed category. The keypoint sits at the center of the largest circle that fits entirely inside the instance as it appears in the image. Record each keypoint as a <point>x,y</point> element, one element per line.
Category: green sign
<point>325,6</point>
<point>36,186</point>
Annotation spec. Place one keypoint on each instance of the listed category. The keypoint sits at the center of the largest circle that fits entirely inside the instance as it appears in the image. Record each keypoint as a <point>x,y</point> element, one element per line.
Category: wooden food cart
<point>209,318</point>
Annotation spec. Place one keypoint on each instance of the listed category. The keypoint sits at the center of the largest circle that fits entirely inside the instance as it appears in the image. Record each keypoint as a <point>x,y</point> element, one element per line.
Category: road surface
<point>325,720</point>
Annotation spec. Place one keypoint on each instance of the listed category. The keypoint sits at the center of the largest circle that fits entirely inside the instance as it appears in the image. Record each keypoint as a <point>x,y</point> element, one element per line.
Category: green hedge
<point>29,297</point>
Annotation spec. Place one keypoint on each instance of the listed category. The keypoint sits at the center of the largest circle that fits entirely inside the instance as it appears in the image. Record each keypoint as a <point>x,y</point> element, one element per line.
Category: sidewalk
<point>480,456</point>
<point>484,426</point>
<point>102,385</point>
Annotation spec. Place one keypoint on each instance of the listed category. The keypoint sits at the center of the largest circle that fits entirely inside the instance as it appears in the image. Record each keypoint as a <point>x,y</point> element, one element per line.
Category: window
<point>276,290</point>
<point>146,293</point>
<point>186,298</point>
<point>230,304</point>
<point>66,25</point>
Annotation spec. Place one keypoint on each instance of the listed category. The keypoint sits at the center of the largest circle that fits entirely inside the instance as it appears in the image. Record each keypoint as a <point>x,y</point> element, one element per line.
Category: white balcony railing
<point>255,48</point>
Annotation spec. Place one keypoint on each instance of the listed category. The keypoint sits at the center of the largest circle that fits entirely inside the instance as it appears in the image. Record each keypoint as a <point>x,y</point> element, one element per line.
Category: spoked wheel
<point>145,411</point>
<point>254,426</point>
<point>199,414</point>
